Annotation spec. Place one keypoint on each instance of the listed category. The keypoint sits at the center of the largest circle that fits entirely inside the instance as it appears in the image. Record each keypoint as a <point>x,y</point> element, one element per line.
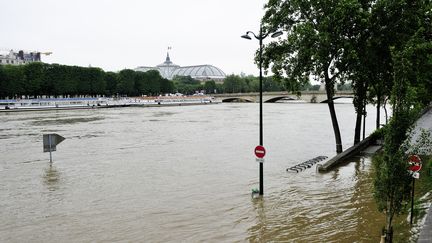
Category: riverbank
<point>183,173</point>
<point>23,105</point>
<point>422,229</point>
<point>425,235</point>
<point>426,232</point>
<point>368,144</point>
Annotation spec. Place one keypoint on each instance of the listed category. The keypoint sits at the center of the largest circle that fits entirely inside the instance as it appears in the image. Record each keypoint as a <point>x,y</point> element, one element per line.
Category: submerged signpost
<point>260,38</point>
<point>50,142</point>
<point>415,166</point>
<point>260,153</point>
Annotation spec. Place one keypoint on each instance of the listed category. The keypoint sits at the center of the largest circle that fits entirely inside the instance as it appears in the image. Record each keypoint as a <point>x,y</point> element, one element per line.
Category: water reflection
<point>51,178</point>
<point>258,231</point>
<point>155,181</point>
<point>332,207</point>
<point>69,121</point>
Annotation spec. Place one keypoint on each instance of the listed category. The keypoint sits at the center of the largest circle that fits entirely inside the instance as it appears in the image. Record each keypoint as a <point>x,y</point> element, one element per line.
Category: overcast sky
<point>118,34</point>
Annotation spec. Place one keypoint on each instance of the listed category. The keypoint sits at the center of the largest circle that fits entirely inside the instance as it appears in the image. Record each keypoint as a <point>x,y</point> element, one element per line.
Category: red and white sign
<point>415,163</point>
<point>260,151</point>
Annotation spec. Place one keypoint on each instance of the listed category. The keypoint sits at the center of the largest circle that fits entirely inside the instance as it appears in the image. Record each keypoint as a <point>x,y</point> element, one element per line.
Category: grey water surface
<point>182,174</point>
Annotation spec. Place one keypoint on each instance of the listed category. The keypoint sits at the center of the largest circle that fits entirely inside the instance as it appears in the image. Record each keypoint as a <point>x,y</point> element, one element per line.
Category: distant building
<point>20,57</point>
<point>169,70</point>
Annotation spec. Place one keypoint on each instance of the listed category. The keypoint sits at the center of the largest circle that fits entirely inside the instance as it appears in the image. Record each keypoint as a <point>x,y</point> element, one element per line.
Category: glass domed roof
<point>200,72</point>
<point>169,70</point>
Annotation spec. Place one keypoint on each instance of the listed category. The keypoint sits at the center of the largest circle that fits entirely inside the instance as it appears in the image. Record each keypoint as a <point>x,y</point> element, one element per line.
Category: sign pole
<point>50,141</point>
<point>415,165</point>
<point>261,166</point>
<point>50,148</point>
<point>260,153</point>
<point>412,202</point>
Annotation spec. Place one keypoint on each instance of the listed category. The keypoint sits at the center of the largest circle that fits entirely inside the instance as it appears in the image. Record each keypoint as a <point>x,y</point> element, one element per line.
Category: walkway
<point>426,233</point>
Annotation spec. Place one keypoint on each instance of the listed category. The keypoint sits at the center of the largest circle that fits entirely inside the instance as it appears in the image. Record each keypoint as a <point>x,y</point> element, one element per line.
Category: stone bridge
<point>271,97</point>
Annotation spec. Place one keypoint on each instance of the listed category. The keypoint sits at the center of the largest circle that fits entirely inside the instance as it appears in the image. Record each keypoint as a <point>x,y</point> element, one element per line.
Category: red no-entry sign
<point>260,151</point>
<point>415,163</point>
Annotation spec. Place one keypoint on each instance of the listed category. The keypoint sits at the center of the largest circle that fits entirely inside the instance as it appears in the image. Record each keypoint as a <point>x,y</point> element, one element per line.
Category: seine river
<point>182,174</point>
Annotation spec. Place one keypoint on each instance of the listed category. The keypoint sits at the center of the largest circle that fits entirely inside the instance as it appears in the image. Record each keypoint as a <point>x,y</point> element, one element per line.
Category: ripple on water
<point>181,174</point>
<point>65,121</point>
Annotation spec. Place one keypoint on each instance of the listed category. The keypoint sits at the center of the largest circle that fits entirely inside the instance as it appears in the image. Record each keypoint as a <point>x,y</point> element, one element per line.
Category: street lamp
<point>260,38</point>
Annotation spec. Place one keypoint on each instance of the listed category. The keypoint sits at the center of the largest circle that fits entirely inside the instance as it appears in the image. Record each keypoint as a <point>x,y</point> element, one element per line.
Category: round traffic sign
<point>260,151</point>
<point>415,163</point>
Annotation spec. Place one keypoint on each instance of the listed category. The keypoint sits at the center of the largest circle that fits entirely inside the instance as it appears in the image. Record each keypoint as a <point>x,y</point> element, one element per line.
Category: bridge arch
<point>237,99</point>
<point>338,97</point>
<point>275,99</point>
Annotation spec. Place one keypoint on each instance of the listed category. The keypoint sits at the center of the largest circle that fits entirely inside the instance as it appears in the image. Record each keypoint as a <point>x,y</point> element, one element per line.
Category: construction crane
<point>46,53</point>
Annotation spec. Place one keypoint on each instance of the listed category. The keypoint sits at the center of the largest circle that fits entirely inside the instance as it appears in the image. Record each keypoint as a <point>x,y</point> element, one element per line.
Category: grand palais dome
<point>169,70</point>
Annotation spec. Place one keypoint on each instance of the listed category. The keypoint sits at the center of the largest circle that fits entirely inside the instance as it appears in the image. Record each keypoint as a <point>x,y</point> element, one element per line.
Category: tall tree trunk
<point>378,112</point>
<point>389,228</point>
<point>330,93</point>
<point>364,108</point>
<point>357,129</point>
<point>385,111</point>
<point>389,218</point>
<point>359,104</point>
<point>364,118</point>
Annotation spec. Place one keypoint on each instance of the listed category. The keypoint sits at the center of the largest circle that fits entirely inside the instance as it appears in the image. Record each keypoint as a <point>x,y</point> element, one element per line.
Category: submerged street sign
<point>50,141</point>
<point>260,151</point>
<point>415,163</point>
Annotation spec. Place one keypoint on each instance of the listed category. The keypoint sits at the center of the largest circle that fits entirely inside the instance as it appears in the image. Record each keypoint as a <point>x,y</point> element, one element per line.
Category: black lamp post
<point>260,38</point>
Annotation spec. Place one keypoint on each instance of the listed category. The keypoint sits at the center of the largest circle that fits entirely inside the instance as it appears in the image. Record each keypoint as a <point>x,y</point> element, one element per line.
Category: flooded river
<point>182,174</point>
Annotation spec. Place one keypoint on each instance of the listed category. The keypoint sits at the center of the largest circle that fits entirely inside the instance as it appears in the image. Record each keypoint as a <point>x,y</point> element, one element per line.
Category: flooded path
<point>182,174</point>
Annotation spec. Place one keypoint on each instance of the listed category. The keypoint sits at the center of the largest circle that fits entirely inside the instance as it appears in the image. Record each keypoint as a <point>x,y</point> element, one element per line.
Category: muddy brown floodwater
<point>175,174</point>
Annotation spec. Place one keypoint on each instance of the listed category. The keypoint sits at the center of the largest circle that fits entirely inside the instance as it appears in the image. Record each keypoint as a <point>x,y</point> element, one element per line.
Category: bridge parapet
<point>271,97</point>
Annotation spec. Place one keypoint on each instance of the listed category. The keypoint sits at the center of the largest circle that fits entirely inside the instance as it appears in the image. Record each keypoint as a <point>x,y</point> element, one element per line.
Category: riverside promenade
<point>425,122</point>
<point>368,146</point>
<point>426,232</point>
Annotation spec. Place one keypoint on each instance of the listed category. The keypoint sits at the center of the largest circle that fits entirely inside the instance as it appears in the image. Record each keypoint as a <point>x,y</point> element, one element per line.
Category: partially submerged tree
<point>319,43</point>
<point>392,180</point>
<point>411,63</point>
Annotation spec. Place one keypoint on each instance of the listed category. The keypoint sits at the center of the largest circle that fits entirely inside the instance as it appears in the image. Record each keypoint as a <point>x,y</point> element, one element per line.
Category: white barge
<point>12,105</point>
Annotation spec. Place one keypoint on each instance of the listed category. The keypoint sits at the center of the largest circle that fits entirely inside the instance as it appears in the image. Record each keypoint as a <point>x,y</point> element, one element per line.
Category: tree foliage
<point>319,43</point>
<point>411,76</point>
<point>37,79</point>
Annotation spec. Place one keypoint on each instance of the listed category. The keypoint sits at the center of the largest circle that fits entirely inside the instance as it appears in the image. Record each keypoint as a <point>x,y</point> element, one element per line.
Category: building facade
<point>19,58</point>
<point>169,70</point>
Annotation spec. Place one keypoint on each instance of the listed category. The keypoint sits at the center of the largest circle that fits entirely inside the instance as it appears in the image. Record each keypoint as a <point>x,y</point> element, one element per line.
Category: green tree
<point>187,84</point>
<point>13,81</point>
<point>386,24</point>
<point>34,73</point>
<point>392,181</point>
<point>220,88</point>
<point>318,43</point>
<point>235,84</point>
<point>186,80</point>
<point>97,81</point>
<point>111,80</point>
<point>140,83</point>
<point>153,82</point>
<point>3,82</point>
<point>84,80</point>
<point>411,62</point>
<point>166,86</point>
<point>126,82</point>
<point>271,84</point>
<point>210,86</point>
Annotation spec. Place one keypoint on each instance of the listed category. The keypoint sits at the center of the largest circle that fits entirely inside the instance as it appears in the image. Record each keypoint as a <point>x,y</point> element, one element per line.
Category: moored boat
<point>11,105</point>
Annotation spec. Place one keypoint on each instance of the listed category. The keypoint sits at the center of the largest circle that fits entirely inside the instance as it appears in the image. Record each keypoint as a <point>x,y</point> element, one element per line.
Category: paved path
<point>426,233</point>
<point>424,122</point>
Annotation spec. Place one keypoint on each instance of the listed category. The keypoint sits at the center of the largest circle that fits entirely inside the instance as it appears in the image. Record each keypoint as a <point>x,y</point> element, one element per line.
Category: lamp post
<point>260,38</point>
